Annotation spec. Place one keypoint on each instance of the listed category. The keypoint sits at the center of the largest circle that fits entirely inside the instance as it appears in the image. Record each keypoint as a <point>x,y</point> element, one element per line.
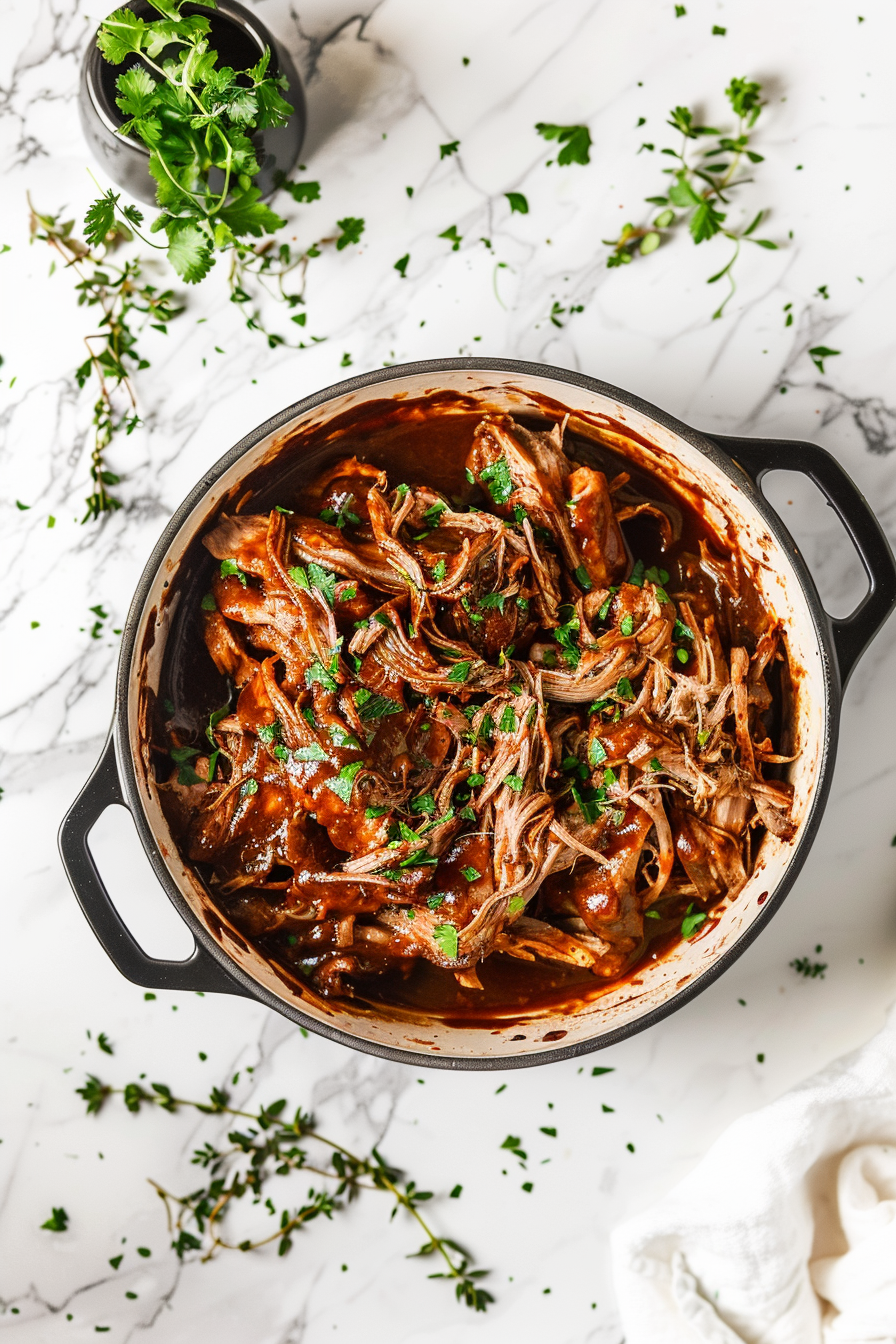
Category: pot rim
<point>522,369</point>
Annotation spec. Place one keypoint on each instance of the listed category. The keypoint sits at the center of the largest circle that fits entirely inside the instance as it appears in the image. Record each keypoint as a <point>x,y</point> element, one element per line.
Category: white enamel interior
<point>683,467</point>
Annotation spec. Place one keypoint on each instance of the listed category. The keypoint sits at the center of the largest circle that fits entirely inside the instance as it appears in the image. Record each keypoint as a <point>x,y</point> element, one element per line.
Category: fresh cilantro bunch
<point>700,187</point>
<point>196,118</point>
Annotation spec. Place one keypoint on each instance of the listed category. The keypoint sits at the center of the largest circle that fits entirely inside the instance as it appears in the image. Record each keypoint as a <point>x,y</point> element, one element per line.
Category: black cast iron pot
<point>723,473</point>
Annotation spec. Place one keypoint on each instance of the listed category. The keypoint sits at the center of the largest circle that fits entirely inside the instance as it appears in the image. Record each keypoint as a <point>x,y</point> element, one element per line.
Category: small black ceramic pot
<point>293,447</point>
<point>240,38</point>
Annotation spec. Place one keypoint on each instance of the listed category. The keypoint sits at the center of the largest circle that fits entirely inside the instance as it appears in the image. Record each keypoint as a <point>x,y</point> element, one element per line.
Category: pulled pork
<point>464,728</point>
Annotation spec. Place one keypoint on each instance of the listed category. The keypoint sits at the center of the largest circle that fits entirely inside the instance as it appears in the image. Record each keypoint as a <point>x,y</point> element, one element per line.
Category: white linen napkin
<point>785,1232</point>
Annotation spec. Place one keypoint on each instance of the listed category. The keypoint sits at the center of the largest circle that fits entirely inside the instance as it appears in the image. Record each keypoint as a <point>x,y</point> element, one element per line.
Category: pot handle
<point>200,971</point>
<point>853,633</point>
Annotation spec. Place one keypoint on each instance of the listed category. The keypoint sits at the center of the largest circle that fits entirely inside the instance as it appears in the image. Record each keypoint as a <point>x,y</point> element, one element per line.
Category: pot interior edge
<point>685,468</point>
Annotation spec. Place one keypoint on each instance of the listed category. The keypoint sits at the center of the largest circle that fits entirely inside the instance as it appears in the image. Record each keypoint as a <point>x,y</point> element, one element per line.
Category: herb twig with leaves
<point>125,303</point>
<point>273,1145</point>
<point>701,185</point>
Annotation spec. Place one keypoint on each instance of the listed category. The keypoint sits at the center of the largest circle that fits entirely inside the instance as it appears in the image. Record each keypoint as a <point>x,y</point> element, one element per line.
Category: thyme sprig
<point>273,1145</point>
<point>125,304</point>
<point>701,185</point>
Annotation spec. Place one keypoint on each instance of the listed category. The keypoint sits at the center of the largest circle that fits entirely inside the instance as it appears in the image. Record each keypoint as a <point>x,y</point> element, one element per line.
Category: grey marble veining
<point>386,86</point>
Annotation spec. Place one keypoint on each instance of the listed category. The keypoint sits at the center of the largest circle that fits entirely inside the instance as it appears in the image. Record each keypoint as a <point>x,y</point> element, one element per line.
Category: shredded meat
<point>458,728</point>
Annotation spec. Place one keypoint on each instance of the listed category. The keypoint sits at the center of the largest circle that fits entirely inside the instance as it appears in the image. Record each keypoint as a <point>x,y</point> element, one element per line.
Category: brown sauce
<point>415,443</point>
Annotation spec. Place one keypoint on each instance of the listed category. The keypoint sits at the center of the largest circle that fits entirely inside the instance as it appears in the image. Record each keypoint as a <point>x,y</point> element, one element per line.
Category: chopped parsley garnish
<point>230,567</point>
<point>467,814</point>
<point>213,720</point>
<point>576,141</point>
<point>459,672</point>
<point>425,804</point>
<point>438,571</point>
<point>445,938</point>
<point>454,238</point>
<point>434,512</point>
<point>516,904</point>
<point>693,920</point>
<point>351,231</point>
<point>341,738</point>
<point>682,631</point>
<point>626,625</point>
<point>382,618</point>
<point>567,636</point>
<point>491,600</point>
<point>514,782</point>
<point>656,764</point>
<point>624,689</point>
<point>57,1222</point>
<point>703,737</point>
<point>637,575</point>
<point>435,901</point>
<point>605,609</point>
<point>517,202</point>
<point>371,706</point>
<point>208,603</point>
<point>343,783</point>
<point>343,516</point>
<point>269,732</point>
<point>507,722</point>
<point>583,579</point>
<point>652,914</point>
<point>248,787</point>
<point>326,676</point>
<point>486,728</point>
<point>316,577</point>
<point>498,480</point>
<point>314,752</point>
<point>596,752</point>
<point>471,874</point>
<point>372,812</point>
<point>682,655</point>
<point>473,615</point>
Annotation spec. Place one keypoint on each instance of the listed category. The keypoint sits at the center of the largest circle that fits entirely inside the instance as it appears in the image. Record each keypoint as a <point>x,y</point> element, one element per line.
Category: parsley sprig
<point>701,185</point>
<point>271,1145</point>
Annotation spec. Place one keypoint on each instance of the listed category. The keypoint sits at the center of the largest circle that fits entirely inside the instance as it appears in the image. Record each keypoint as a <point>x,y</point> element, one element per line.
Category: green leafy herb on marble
<point>810,970</point>
<point>57,1221</point>
<point>704,172</point>
<point>454,238</point>
<point>271,1142</point>
<point>819,353</point>
<point>517,202</point>
<point>575,141</point>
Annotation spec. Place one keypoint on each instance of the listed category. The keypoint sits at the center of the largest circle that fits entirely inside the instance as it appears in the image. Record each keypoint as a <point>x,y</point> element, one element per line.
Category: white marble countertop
<point>385,89</point>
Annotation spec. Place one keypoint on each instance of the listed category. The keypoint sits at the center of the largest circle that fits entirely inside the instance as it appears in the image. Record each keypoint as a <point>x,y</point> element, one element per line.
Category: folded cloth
<point>785,1232</point>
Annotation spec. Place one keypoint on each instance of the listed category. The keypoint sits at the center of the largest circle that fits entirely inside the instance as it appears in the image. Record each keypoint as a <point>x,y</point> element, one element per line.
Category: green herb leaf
<point>576,141</point>
<point>498,480</point>
<point>351,230</point>
<point>230,567</point>
<point>518,203</point>
<point>313,752</point>
<point>513,782</point>
<point>343,783</point>
<point>445,938</point>
<point>692,921</point>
